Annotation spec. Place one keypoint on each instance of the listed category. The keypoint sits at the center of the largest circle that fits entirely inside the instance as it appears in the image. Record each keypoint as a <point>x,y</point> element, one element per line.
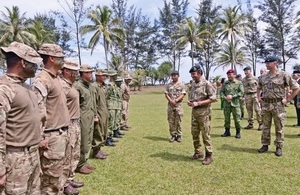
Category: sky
<point>148,7</point>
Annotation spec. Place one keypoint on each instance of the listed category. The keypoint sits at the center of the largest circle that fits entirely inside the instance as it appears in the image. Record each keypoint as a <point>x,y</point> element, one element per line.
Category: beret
<point>271,59</point>
<point>230,71</point>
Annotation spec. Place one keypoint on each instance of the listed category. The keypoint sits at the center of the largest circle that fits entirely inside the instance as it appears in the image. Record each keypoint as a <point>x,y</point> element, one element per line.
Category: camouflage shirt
<point>114,97</point>
<point>175,90</point>
<point>235,89</point>
<point>125,89</point>
<point>250,84</point>
<point>202,90</point>
<point>273,86</point>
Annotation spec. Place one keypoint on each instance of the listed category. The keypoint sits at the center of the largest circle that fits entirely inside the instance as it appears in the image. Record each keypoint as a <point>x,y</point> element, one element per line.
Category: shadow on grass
<point>238,149</point>
<point>155,138</point>
<point>171,157</point>
<point>293,136</point>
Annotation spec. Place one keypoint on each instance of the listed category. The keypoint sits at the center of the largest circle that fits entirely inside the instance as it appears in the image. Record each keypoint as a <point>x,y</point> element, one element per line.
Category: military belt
<point>60,130</point>
<point>273,100</point>
<point>22,149</point>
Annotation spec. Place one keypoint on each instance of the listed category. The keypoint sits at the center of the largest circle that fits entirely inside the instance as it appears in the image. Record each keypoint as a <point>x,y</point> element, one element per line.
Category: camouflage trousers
<point>242,107</point>
<point>125,113</point>
<point>114,120</point>
<point>252,102</point>
<point>277,112</point>
<point>201,118</point>
<point>175,116</point>
<point>228,109</point>
<point>23,172</point>
<point>72,151</point>
<point>52,163</point>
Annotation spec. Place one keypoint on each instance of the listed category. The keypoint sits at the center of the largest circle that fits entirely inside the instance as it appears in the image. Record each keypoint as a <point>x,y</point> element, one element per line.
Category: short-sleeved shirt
<point>174,90</point>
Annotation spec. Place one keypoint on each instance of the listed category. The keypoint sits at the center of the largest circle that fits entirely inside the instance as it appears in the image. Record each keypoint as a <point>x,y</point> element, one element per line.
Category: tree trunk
<point>192,52</point>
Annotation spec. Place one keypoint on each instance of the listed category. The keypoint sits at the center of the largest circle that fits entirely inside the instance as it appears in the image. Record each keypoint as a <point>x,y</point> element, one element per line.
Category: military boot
<point>178,138</point>
<point>226,133</point>
<point>260,127</point>
<point>278,151</point>
<point>108,142</point>
<point>172,139</point>
<point>208,159</point>
<point>119,132</point>
<point>197,155</point>
<point>116,134</point>
<point>238,133</point>
<point>250,126</point>
<point>70,190</point>
<point>242,116</point>
<point>263,149</point>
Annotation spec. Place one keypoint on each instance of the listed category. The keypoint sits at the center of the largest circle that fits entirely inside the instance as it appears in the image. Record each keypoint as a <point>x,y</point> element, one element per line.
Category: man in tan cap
<point>52,102</point>
<point>100,128</point>
<point>125,89</point>
<point>87,117</point>
<point>68,77</point>
<point>19,123</point>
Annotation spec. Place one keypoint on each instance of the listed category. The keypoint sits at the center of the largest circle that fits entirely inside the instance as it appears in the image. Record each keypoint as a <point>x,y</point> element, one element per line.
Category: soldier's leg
<point>75,153</point>
<point>279,121</point>
<point>257,109</point>
<point>124,113</point>
<point>195,131</point>
<point>111,121</point>
<point>236,117</point>
<point>227,113</point>
<point>266,132</point>
<point>204,123</point>
<point>171,120</point>
<point>178,120</point>
<point>97,137</point>
<point>249,107</point>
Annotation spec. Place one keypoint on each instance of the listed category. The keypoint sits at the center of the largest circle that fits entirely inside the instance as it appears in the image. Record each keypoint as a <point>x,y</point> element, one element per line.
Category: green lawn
<point>144,162</point>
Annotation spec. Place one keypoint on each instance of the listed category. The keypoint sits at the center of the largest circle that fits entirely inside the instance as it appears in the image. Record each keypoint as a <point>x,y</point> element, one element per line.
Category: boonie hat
<point>271,59</point>
<point>51,50</point>
<point>119,79</point>
<point>86,68</point>
<point>100,72</point>
<point>112,73</point>
<point>23,51</point>
<point>70,65</point>
<point>230,71</point>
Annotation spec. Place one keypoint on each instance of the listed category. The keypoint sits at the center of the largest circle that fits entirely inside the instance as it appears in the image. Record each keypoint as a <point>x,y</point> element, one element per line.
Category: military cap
<point>112,73</point>
<point>238,76</point>
<point>23,51</point>
<point>70,65</point>
<point>271,59</point>
<point>174,72</point>
<point>119,79</point>
<point>100,72</point>
<point>247,68</point>
<point>128,77</point>
<point>51,50</point>
<point>195,69</point>
<point>230,71</point>
<point>86,68</point>
<point>296,72</point>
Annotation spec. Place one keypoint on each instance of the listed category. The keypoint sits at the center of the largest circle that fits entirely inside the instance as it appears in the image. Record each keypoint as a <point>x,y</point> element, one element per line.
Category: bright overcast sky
<point>149,8</point>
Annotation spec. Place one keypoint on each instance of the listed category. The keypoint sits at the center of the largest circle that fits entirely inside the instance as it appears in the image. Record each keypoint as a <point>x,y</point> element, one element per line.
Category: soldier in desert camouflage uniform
<point>20,123</point>
<point>174,93</point>
<point>55,136</point>
<point>68,77</point>
<point>202,94</point>
<point>125,89</point>
<point>273,85</point>
<point>250,84</point>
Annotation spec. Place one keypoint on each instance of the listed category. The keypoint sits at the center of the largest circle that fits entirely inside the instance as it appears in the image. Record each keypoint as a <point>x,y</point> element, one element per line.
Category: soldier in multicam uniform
<point>231,92</point>
<point>20,123</point>
<point>174,93</point>
<point>55,136</point>
<point>100,128</point>
<point>113,97</point>
<point>273,100</point>
<point>202,94</point>
<point>250,84</point>
<point>125,89</point>
<point>88,116</point>
<point>68,77</point>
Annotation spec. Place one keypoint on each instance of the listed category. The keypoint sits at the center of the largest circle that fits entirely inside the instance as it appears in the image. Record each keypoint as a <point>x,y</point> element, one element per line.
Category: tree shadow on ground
<point>156,138</point>
<point>172,157</point>
<point>293,136</point>
<point>239,149</point>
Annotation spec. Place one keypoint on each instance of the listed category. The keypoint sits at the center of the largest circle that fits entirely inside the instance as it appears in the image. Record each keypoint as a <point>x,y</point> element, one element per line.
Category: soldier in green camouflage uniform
<point>20,123</point>
<point>232,91</point>
<point>100,128</point>
<point>87,117</point>
<point>202,94</point>
<point>113,97</point>
<point>250,84</point>
<point>174,93</point>
<point>119,82</point>
<point>272,85</point>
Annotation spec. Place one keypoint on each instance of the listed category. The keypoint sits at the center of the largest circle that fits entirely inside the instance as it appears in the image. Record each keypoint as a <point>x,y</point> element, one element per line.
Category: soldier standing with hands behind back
<point>174,93</point>
<point>273,85</point>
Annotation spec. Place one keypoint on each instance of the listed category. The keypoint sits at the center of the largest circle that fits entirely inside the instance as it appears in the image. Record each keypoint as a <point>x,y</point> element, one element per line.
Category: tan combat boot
<point>208,159</point>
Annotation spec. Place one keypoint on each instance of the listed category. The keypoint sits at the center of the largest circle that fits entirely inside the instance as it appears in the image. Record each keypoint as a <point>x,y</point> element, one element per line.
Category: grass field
<point>144,162</point>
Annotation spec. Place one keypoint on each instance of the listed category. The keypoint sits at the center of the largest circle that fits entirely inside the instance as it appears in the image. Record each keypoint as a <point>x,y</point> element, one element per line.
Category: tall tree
<point>189,32</point>
<point>105,27</point>
<point>77,12</point>
<point>281,36</point>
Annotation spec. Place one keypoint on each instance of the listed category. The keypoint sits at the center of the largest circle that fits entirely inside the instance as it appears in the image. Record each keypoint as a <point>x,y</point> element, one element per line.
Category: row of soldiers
<point>55,125</point>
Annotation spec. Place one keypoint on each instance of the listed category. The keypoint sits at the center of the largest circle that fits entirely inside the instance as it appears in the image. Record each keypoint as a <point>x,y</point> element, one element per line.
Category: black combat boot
<point>238,133</point>
<point>226,133</point>
<point>242,116</point>
<point>263,149</point>
<point>108,142</point>
<point>119,132</point>
<point>116,134</point>
<point>278,151</point>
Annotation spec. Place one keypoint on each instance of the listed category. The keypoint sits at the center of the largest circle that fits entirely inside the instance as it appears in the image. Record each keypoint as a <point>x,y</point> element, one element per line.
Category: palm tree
<point>189,32</point>
<point>105,27</point>
<point>12,27</point>
<point>117,63</point>
<point>231,54</point>
<point>41,35</point>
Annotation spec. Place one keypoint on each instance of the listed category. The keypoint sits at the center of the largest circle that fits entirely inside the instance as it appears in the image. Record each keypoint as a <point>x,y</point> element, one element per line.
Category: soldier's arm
<point>183,93</point>
<point>239,92</point>
<point>294,86</point>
